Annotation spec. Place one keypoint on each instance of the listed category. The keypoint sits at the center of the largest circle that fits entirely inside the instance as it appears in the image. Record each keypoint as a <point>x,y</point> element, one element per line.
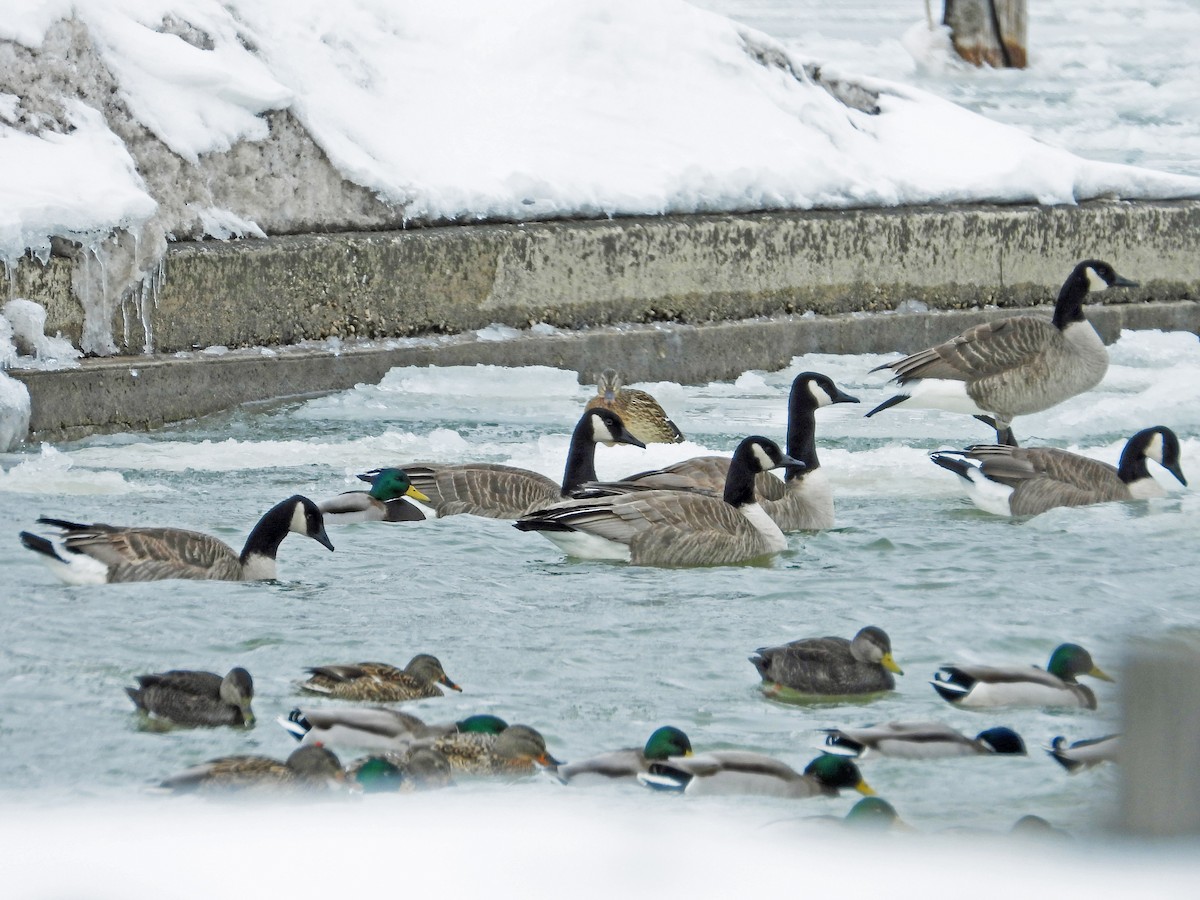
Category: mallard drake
<point>97,553</point>
<point>969,685</point>
<point>631,761</point>
<point>1086,753</point>
<point>185,697</point>
<point>380,682</point>
<point>506,492</point>
<point>873,814</point>
<point>1015,365</point>
<point>384,502</point>
<point>803,501</point>
<point>517,750</point>
<point>376,727</point>
<point>673,528</point>
<point>830,666</point>
<point>307,767</point>
<point>640,412</point>
<point>923,740</point>
<point>745,772</point>
<point>420,769</point>
<point>1016,481</point>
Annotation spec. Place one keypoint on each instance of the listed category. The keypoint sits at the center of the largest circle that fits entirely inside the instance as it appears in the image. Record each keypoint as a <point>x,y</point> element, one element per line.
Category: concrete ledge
<point>130,393</point>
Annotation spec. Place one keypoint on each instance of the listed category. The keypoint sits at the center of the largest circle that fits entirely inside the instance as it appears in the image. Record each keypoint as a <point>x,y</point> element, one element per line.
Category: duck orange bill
<point>445,679</point>
<point>548,761</point>
<point>863,788</point>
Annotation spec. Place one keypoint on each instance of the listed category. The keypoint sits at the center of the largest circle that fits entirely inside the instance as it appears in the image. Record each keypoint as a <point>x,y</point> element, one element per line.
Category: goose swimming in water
<point>1013,481</point>
<point>673,528</point>
<point>97,553</point>
<point>1056,685</point>
<point>803,501</point>
<point>506,492</point>
<point>1012,366</point>
<point>640,412</point>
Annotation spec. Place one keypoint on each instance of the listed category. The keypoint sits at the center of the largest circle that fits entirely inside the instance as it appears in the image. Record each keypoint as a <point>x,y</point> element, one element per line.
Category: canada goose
<point>506,492</point>
<point>803,501</point>
<point>307,767</point>
<point>640,412</point>
<point>746,772</point>
<point>968,685</point>
<point>1012,481</point>
<point>831,666</point>
<point>184,697</point>
<point>1012,366</point>
<point>517,750</point>
<point>96,554</point>
<point>673,528</point>
<point>420,769</point>
<point>376,727</point>
<point>380,682</point>
<point>631,761</point>
<point>923,740</point>
<point>1084,754</point>
<point>384,502</point>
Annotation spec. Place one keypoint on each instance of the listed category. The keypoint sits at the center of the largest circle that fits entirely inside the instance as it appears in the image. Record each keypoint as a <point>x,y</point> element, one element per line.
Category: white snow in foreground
<point>521,110</point>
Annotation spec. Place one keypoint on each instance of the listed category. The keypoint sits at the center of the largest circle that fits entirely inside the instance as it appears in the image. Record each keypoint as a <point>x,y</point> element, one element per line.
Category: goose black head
<point>1160,444</point>
<point>815,390</point>
<point>761,454</point>
<point>608,429</point>
<point>1089,275</point>
<point>307,520</point>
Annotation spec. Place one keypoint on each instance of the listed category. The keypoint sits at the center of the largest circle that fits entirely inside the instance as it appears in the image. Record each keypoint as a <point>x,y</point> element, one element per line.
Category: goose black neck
<point>1132,466</point>
<point>739,482</point>
<point>268,534</point>
<point>581,458</point>
<point>802,434</point>
<point>1069,306</point>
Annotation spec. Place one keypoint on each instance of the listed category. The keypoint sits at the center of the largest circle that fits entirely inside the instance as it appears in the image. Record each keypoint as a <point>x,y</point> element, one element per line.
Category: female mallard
<point>517,750</point>
<point>506,492</point>
<point>1085,753</point>
<point>381,682</point>
<point>420,769</point>
<point>631,761</point>
<point>384,502</point>
<point>1015,365</point>
<point>96,554</point>
<point>638,410</point>
<point>830,666</point>
<point>307,767</point>
<point>184,697</point>
<point>968,685</point>
<point>923,740</point>
<point>376,727</point>
<point>745,772</point>
<point>1026,481</point>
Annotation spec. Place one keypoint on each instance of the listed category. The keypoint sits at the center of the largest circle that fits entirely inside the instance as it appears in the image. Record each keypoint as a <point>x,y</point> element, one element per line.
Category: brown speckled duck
<point>639,411</point>
<point>517,750</point>
<point>307,768</point>
<point>380,682</point>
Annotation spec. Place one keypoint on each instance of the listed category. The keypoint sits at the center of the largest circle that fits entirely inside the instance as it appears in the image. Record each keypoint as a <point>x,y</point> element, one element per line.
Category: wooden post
<point>988,32</point>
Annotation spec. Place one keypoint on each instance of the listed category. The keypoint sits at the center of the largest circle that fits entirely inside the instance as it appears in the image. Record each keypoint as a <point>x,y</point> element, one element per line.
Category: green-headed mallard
<point>629,762</point>
<point>746,772</point>
<point>641,413</point>
<point>384,502</point>
<point>830,666</point>
<point>307,767</point>
<point>376,727</point>
<point>969,685</point>
<point>185,697</point>
<point>923,740</point>
<point>422,768</point>
<point>96,554</point>
<point>380,682</point>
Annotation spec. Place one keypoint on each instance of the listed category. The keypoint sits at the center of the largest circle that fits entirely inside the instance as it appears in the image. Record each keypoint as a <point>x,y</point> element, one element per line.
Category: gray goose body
<point>831,666</point>
<point>98,553</point>
<point>507,492</point>
<point>191,698</point>
<point>803,501</point>
<point>672,528</point>
<point>1015,365</point>
<point>1027,481</point>
<point>923,740</point>
<point>640,412</point>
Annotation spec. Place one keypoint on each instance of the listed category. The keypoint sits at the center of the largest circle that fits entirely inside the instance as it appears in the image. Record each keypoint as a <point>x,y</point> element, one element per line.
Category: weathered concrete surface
<point>147,391</point>
<point>689,269</point>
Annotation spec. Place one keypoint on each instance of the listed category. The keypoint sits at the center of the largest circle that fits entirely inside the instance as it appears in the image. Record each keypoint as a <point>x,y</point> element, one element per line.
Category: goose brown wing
<point>482,489</point>
<point>987,349</point>
<point>144,554</point>
<point>706,473</point>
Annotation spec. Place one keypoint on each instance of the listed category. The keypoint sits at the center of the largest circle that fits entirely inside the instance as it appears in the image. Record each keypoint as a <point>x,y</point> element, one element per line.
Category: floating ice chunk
<point>14,412</point>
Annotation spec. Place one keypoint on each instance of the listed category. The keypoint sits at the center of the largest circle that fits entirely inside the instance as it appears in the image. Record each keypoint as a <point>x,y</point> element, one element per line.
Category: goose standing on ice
<point>673,528</point>
<point>1026,481</point>
<point>640,412</point>
<point>506,492</point>
<point>97,553</point>
<point>1012,366</point>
